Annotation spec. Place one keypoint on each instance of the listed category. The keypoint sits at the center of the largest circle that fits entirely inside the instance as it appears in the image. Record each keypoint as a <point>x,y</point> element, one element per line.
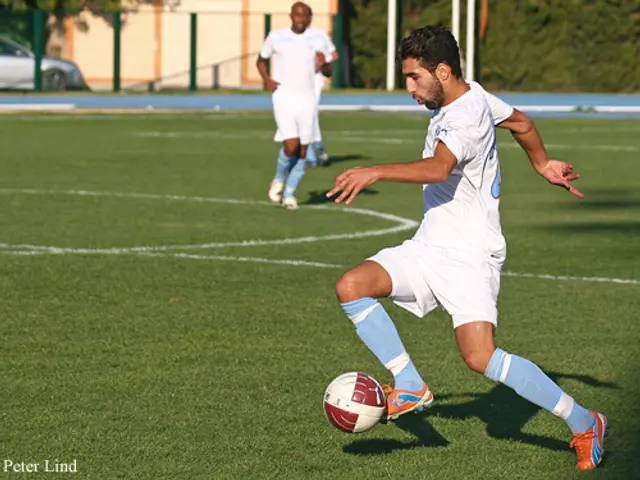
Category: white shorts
<point>466,283</point>
<point>294,114</point>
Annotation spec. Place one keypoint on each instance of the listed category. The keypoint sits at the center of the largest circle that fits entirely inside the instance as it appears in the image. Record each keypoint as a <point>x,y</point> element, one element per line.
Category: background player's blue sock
<point>283,165</point>
<point>377,331</point>
<point>312,159</point>
<point>319,145</point>
<point>296,174</point>
<point>530,382</point>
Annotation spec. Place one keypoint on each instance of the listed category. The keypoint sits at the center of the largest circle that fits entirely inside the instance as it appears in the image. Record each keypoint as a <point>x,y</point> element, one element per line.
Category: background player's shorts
<point>294,115</point>
<point>465,282</point>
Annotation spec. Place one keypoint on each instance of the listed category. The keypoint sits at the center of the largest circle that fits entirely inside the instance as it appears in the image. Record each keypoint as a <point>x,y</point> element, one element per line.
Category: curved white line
<point>402,224</point>
<point>151,251</point>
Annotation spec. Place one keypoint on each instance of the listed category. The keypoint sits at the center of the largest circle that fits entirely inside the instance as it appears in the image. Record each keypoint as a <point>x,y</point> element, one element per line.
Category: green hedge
<point>530,45</point>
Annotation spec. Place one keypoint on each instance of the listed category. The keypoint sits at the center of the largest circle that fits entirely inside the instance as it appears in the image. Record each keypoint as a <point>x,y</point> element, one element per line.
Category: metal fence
<point>146,49</point>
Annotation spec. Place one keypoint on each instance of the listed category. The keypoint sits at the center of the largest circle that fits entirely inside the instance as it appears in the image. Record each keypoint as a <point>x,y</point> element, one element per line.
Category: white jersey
<point>327,47</point>
<point>294,59</point>
<point>463,211</point>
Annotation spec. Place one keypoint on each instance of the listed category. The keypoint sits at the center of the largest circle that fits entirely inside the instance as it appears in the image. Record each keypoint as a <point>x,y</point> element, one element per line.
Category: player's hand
<point>271,85</point>
<point>561,173</point>
<point>352,182</point>
<point>320,61</point>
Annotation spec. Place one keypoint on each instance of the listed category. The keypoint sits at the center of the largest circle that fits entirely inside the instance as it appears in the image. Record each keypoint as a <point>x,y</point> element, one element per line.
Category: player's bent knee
<point>477,360</point>
<point>354,285</point>
<point>366,280</point>
<point>349,287</point>
<point>476,344</point>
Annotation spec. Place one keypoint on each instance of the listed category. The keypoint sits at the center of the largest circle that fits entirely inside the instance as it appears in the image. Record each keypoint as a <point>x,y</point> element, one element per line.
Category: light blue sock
<point>531,383</point>
<point>319,145</point>
<point>283,165</point>
<point>312,159</point>
<point>377,331</point>
<point>293,180</point>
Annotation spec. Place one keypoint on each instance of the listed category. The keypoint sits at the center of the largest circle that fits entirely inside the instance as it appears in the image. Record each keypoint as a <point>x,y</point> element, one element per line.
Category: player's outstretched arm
<point>434,169</point>
<point>556,172</point>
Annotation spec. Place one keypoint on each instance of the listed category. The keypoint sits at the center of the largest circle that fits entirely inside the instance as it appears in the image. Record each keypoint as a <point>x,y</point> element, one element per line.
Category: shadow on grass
<point>606,198</point>
<point>417,425</point>
<point>606,202</point>
<point>318,198</point>
<point>503,411</point>
<point>346,158</point>
<point>619,227</point>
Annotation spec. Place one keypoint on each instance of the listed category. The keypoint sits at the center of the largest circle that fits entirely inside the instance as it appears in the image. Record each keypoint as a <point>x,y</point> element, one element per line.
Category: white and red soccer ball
<point>354,402</point>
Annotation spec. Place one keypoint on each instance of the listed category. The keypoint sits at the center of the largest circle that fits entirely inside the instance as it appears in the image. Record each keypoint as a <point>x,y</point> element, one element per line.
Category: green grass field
<point>150,331</point>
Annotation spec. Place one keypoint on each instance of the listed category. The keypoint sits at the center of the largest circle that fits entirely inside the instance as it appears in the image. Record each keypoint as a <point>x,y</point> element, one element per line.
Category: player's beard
<point>435,96</point>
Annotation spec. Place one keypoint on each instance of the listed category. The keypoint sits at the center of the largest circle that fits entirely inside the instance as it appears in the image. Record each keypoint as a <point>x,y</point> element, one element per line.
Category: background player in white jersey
<point>317,154</point>
<point>456,256</point>
<point>296,57</point>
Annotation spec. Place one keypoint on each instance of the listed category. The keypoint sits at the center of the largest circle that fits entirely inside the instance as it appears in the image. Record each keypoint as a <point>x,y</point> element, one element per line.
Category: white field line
<point>253,134</point>
<point>304,263</point>
<point>406,132</point>
<point>37,107</point>
<point>212,245</point>
<point>144,196</point>
<point>402,224</point>
<point>134,115</point>
<point>138,115</point>
<point>300,263</point>
<point>273,261</point>
<point>552,146</point>
<point>621,129</point>
<point>348,136</point>
<point>627,281</point>
<point>603,148</point>
<point>155,251</point>
<point>381,136</point>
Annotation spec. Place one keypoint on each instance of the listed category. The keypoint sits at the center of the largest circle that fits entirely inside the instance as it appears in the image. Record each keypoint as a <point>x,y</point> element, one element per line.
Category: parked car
<point>17,69</point>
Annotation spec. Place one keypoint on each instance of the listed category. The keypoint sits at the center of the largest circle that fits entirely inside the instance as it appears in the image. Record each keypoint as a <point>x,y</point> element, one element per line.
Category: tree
<point>368,28</point>
<point>530,45</point>
<point>17,20</point>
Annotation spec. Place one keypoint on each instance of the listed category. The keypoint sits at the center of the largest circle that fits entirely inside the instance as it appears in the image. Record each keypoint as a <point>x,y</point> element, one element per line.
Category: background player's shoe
<point>400,402</point>
<point>290,203</point>
<point>275,191</point>
<point>323,157</point>
<point>589,445</point>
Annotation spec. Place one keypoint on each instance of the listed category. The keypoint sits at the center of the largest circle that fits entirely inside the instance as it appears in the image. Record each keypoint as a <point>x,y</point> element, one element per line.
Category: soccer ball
<point>354,402</point>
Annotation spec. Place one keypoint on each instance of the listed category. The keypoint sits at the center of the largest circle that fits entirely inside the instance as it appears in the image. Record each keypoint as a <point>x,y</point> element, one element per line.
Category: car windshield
<point>10,48</point>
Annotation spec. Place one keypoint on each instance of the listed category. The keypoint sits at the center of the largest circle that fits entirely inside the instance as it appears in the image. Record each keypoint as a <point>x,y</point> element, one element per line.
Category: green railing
<point>33,28</point>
